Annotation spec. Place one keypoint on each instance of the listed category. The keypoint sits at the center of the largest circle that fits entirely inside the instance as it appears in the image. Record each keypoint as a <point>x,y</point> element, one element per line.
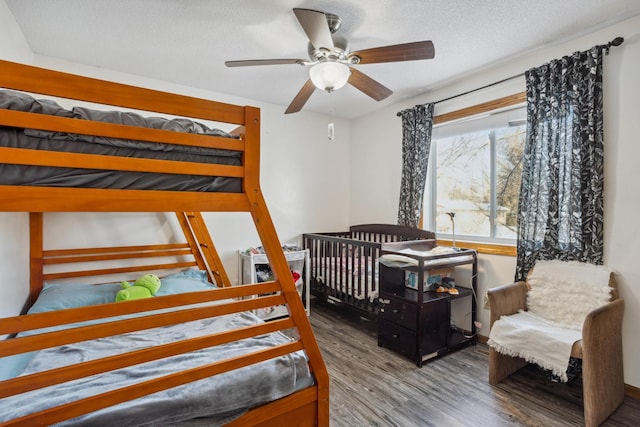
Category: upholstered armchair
<point>598,344</point>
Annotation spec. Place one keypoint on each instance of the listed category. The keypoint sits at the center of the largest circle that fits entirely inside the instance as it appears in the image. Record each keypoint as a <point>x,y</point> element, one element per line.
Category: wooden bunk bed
<point>239,191</point>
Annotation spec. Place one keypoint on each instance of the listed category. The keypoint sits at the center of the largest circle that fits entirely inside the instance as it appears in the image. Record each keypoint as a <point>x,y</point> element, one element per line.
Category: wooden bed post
<point>36,240</point>
<point>273,248</point>
<point>202,246</point>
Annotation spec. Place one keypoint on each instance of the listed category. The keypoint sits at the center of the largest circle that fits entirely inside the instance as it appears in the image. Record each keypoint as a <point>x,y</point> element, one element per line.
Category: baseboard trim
<point>629,390</point>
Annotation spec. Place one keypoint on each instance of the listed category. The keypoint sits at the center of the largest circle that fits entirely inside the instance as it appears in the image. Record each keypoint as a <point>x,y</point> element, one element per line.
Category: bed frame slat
<point>23,119</point>
<point>118,270</point>
<point>52,199</point>
<point>93,367</point>
<point>47,82</point>
<point>14,324</point>
<point>115,256</point>
<point>21,156</point>
<point>135,250</point>
<point>83,333</point>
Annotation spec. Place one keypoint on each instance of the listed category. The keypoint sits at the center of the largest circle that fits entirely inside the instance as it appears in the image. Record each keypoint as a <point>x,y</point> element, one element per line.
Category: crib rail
<point>344,265</point>
<point>344,270</point>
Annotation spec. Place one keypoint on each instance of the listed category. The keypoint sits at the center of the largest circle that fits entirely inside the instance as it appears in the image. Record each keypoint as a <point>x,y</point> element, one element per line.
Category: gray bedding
<point>91,178</point>
<point>211,401</point>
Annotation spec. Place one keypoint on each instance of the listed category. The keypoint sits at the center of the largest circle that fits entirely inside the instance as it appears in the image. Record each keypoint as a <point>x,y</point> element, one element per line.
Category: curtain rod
<point>479,88</point>
<point>615,42</point>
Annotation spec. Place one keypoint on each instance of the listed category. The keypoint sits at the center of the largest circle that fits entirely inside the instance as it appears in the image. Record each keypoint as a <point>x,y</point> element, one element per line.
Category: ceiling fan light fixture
<point>329,75</point>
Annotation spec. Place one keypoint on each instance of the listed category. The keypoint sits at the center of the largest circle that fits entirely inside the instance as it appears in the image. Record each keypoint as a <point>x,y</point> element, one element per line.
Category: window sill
<point>483,248</point>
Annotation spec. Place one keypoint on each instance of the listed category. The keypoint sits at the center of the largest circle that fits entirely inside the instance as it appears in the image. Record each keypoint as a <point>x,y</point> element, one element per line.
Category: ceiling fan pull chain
<point>331,127</point>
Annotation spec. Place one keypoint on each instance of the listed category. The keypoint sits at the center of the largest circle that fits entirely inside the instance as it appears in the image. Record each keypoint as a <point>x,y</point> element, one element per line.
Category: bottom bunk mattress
<point>210,401</point>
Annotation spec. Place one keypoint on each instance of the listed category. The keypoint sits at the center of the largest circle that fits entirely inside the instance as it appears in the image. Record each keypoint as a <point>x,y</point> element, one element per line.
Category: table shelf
<point>416,322</point>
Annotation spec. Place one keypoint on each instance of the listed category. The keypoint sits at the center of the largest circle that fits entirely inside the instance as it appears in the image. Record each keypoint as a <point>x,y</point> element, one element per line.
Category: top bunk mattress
<point>34,139</point>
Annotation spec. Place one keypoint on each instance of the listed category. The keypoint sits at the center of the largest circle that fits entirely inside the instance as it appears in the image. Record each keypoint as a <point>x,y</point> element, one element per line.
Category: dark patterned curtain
<point>560,214</point>
<point>416,141</point>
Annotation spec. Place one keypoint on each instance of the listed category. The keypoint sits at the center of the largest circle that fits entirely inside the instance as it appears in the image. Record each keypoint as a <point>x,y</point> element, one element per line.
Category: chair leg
<point>502,366</point>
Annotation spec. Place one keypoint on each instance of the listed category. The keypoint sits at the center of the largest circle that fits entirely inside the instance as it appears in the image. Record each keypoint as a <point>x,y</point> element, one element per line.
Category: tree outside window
<point>476,174</point>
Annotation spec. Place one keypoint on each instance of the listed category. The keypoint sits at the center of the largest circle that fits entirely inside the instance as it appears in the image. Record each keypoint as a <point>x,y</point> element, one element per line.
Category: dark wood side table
<point>414,322</point>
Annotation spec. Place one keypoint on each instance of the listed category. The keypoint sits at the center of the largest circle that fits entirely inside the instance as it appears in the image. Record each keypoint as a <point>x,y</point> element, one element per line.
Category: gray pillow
<point>134,119</point>
<point>18,101</point>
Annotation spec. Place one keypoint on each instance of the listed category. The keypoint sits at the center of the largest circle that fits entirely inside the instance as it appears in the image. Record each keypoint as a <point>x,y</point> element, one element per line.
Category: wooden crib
<point>227,187</point>
<point>344,265</point>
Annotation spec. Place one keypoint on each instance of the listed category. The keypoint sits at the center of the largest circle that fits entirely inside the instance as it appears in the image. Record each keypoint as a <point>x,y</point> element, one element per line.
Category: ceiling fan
<point>331,61</point>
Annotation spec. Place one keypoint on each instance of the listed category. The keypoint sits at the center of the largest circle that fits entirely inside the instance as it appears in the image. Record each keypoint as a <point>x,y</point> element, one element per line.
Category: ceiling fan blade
<point>369,86</point>
<point>395,53</point>
<point>250,62</point>
<point>315,25</point>
<point>301,98</point>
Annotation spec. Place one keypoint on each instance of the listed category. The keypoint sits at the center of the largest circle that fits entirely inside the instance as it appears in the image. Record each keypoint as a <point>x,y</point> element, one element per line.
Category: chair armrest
<point>507,299</point>
<point>602,328</point>
<point>602,369</point>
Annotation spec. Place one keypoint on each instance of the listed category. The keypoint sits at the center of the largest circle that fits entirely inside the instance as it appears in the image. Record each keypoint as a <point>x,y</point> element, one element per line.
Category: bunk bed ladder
<point>202,247</point>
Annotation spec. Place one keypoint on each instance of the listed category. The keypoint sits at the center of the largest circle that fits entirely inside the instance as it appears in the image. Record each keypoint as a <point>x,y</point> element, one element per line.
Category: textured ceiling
<point>187,42</point>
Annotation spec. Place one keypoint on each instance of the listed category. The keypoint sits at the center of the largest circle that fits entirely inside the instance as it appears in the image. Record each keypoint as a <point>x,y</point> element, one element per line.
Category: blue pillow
<point>185,281</point>
<point>58,296</point>
<point>11,366</point>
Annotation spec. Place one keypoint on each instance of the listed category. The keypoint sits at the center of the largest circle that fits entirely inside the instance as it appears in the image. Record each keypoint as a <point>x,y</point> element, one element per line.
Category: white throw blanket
<point>561,296</point>
<point>536,340</point>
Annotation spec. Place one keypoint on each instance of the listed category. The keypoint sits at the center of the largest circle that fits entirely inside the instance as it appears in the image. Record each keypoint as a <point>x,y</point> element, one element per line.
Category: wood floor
<point>372,386</point>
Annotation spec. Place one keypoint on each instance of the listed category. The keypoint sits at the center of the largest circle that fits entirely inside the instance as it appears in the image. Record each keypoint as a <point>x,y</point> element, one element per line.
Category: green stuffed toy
<point>144,287</point>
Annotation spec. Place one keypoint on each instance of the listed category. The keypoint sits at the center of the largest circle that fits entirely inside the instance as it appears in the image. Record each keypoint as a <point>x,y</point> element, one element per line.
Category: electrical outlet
<point>486,302</point>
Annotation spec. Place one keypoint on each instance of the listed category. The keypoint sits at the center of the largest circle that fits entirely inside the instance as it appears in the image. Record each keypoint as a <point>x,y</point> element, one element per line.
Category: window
<point>475,171</point>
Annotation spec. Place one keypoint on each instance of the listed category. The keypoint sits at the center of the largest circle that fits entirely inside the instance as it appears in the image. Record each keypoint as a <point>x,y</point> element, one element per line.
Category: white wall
<point>375,184</point>
<point>13,226</point>
<point>14,47</point>
<point>622,199</point>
